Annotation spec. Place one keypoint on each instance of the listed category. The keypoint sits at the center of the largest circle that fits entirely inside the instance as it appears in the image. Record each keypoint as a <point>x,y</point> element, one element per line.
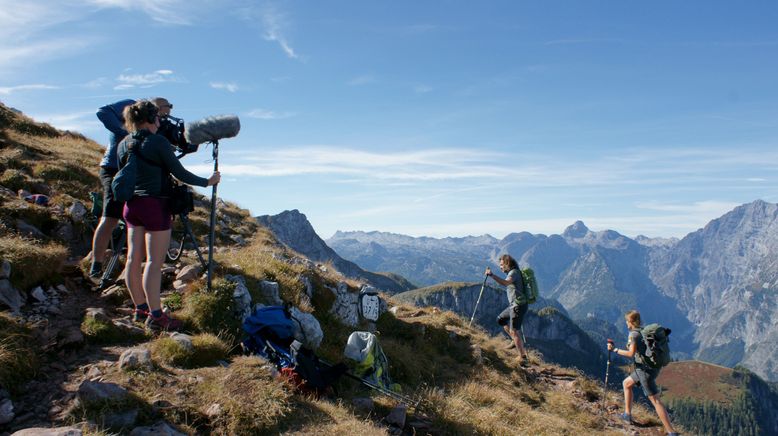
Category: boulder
<point>270,292</point>
<point>345,307</point>
<point>10,297</point>
<point>158,429</point>
<point>308,286</point>
<point>77,211</point>
<point>128,327</point>
<point>70,337</point>
<point>397,416</point>
<point>241,296</point>
<point>238,239</point>
<point>6,411</point>
<point>120,420</point>
<point>95,392</point>
<point>98,313</point>
<point>308,331</point>
<point>5,269</point>
<point>364,404</point>
<point>29,230</point>
<point>184,340</point>
<point>65,232</point>
<point>188,273</point>
<point>39,294</point>
<point>135,358</point>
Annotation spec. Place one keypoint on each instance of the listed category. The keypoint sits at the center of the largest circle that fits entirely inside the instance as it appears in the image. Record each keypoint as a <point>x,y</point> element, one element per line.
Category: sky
<point>434,118</point>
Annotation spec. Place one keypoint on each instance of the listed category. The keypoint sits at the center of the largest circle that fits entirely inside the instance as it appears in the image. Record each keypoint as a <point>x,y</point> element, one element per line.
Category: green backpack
<point>530,285</point>
<point>657,341</point>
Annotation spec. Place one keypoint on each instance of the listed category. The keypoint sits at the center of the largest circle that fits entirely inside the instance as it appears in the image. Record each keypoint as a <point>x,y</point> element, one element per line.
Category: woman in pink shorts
<point>147,213</point>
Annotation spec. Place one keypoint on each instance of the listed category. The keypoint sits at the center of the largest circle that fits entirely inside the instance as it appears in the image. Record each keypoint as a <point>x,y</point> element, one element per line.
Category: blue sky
<point>437,118</point>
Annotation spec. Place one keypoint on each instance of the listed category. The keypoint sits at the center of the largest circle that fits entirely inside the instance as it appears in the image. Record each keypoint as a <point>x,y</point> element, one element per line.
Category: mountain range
<point>716,287</point>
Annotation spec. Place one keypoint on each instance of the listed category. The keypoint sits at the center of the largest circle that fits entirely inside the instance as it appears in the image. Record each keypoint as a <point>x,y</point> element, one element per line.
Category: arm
<point>111,117</point>
<point>497,279</point>
<point>628,353</point>
<point>164,153</point>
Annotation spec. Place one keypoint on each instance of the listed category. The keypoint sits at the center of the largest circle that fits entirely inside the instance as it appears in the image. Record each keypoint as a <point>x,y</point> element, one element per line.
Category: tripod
<point>178,240</point>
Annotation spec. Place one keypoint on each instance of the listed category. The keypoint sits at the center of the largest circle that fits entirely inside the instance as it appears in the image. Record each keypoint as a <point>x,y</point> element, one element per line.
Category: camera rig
<point>173,130</point>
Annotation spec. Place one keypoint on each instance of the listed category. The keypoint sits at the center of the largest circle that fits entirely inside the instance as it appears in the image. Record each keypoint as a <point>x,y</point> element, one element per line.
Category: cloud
<point>12,89</point>
<point>362,80</point>
<point>82,121</point>
<point>422,89</point>
<point>231,87</point>
<point>172,12</point>
<point>275,25</point>
<point>128,81</point>
<point>266,114</point>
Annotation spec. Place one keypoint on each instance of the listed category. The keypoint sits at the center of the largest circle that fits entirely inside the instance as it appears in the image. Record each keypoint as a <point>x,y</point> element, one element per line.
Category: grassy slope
<point>700,381</point>
<point>467,383</point>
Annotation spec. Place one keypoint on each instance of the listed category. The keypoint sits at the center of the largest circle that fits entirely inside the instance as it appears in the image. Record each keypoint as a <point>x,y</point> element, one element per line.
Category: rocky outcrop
<point>293,229</point>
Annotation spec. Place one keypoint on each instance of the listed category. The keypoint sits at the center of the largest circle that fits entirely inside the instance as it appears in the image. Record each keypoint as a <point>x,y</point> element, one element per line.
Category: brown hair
<point>138,113</point>
<point>510,261</point>
<point>633,318</point>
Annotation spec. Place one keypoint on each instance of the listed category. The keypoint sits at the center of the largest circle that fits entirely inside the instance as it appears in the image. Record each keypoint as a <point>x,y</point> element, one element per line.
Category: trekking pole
<point>213,216</point>
<point>607,370</point>
<point>478,300</point>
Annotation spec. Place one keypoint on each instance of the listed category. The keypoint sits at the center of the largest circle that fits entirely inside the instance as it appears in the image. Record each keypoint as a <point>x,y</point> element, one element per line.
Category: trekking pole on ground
<point>607,370</point>
<point>478,300</point>
<point>213,215</point>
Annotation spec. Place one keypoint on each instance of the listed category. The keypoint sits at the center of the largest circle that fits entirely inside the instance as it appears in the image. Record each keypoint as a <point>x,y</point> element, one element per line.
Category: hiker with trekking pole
<point>648,346</point>
<point>518,303</point>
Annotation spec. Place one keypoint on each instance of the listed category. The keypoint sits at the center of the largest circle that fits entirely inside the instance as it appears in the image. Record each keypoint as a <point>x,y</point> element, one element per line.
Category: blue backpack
<point>269,333</point>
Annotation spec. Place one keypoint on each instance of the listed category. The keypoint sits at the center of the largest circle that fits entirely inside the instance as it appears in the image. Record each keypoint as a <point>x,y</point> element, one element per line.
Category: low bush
<point>212,312</point>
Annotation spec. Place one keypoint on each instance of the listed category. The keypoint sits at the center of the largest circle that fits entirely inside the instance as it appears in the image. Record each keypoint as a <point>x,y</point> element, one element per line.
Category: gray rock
<point>135,358</point>
<point>213,410</point>
<point>29,229</point>
<point>270,292</point>
<point>120,420</point>
<point>94,392</point>
<point>188,273</point>
<point>65,231</point>
<point>179,285</point>
<point>6,411</point>
<point>70,337</point>
<point>5,269</point>
<point>39,294</point>
<point>241,296</point>
<point>308,286</point>
<point>158,429</point>
<point>54,310</point>
<point>45,431</point>
<point>77,211</point>
<point>345,307</point>
<point>98,313</point>
<point>311,333</point>
<point>397,416</point>
<point>182,339</point>
<point>128,327</point>
<point>10,297</point>
<point>238,239</point>
<point>363,404</point>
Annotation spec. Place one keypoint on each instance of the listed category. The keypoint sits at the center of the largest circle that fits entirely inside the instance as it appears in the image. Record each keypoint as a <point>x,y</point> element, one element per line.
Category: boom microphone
<point>212,129</point>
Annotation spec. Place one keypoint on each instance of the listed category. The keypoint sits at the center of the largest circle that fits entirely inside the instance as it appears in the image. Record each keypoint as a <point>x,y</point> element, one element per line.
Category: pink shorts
<point>152,213</point>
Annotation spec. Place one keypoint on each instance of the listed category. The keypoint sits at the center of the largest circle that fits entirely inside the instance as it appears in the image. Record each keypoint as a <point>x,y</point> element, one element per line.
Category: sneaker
<point>524,362</point>
<point>140,315</point>
<point>626,417</point>
<point>164,322</point>
<point>510,346</point>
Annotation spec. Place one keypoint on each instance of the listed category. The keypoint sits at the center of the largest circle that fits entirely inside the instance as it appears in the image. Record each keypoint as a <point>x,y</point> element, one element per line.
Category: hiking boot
<point>524,362</point>
<point>510,346</point>
<point>625,417</point>
<point>164,322</point>
<point>139,315</point>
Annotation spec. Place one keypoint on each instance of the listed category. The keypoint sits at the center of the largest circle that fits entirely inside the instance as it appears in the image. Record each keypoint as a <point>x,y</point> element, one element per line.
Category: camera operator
<point>147,213</point>
<point>172,128</point>
<point>113,119</point>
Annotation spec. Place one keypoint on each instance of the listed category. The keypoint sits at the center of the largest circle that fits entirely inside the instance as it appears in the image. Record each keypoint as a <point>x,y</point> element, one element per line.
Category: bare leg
<point>628,383</point>
<point>662,412</point>
<point>102,237</point>
<point>157,244</point>
<point>133,270</point>
<point>516,337</point>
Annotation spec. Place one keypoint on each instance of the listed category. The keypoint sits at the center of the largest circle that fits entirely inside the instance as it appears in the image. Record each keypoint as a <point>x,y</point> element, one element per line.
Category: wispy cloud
<point>36,87</point>
<point>422,89</point>
<point>128,81</point>
<point>81,121</point>
<point>266,114</point>
<point>231,87</point>
<point>173,12</point>
<point>275,26</point>
<point>577,41</point>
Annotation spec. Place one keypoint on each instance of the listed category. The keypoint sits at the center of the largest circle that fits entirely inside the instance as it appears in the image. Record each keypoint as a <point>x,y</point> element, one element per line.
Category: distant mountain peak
<point>577,230</point>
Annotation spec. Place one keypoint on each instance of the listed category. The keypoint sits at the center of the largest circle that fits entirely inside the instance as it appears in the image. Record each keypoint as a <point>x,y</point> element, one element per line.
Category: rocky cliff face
<point>294,230</point>
<point>717,288</point>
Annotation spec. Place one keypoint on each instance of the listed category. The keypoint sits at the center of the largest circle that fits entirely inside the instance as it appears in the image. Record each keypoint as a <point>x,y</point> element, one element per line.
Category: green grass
<point>32,262</point>
<point>207,349</point>
<point>18,355</point>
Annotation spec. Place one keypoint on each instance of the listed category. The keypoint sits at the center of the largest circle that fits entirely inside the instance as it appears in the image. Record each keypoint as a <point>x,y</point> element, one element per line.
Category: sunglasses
<point>167,105</point>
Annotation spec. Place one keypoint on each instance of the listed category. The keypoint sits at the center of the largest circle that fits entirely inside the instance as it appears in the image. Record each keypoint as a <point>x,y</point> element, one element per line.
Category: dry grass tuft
<point>18,354</point>
<point>206,350</point>
<point>32,262</point>
<point>101,332</point>
<point>212,312</point>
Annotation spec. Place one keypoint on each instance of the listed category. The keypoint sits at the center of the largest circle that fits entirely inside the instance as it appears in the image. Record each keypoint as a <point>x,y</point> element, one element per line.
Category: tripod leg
<point>188,232</point>
<point>118,246</point>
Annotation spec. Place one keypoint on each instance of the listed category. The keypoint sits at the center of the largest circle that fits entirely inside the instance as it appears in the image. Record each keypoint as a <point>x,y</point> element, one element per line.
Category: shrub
<point>101,332</point>
<point>212,312</point>
<point>18,359</point>
<point>31,262</point>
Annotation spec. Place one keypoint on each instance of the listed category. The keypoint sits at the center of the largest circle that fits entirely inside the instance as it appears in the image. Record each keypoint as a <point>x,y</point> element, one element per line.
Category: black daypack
<point>657,346</point>
<point>123,183</point>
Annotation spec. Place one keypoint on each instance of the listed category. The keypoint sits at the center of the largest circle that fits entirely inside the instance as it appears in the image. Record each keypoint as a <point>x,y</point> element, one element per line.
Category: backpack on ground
<point>369,361</point>
<point>657,341</point>
<point>529,292</point>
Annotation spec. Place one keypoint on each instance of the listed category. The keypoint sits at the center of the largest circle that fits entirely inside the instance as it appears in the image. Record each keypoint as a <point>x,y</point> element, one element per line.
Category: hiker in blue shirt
<point>512,317</point>
<point>643,375</point>
<point>113,120</point>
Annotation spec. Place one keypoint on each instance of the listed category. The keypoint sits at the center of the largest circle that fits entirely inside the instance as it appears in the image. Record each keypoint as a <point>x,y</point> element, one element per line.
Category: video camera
<point>173,129</point>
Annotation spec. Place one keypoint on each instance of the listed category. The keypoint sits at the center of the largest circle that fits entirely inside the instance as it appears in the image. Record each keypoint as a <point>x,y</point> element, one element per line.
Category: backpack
<point>123,183</point>
<point>529,294</point>
<point>657,346</point>
<point>369,361</point>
